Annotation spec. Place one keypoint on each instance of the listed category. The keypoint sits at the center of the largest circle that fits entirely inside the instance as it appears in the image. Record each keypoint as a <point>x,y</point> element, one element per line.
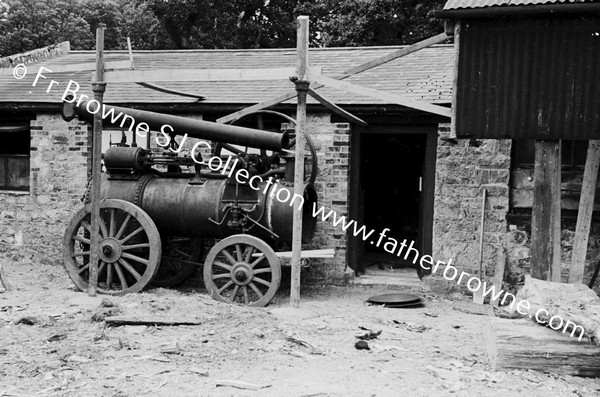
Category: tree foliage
<point>178,24</point>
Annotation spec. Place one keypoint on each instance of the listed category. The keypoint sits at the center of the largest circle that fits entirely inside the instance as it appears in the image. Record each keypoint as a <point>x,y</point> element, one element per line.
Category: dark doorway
<point>392,187</point>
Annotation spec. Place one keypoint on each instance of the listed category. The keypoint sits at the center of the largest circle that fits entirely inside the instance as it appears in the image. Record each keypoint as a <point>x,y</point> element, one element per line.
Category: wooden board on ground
<point>523,344</point>
<point>150,320</point>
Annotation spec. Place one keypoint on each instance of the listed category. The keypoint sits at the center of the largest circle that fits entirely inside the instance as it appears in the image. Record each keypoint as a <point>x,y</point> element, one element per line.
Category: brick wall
<point>464,168</point>
<point>332,143</point>
<point>33,224</point>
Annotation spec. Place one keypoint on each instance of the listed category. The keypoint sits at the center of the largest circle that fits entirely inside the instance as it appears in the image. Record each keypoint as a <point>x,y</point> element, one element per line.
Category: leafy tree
<point>30,24</point>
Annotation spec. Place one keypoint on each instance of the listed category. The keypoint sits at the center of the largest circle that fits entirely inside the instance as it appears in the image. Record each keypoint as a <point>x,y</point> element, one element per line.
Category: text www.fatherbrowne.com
<point>473,283</point>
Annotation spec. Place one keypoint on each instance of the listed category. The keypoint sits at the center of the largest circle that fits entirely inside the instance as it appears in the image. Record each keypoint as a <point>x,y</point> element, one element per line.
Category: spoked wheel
<point>130,248</point>
<point>180,256</point>
<point>242,269</point>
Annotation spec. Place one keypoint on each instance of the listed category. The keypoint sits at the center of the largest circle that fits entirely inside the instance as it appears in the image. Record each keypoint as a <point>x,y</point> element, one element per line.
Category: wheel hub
<point>241,273</point>
<point>110,250</point>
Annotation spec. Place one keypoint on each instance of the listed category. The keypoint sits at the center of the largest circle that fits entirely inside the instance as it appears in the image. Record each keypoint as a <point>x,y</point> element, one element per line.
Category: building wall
<point>464,168</point>
<point>33,224</point>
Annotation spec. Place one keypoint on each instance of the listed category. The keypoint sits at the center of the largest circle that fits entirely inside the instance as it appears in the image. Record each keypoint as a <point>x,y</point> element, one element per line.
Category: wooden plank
<point>336,109</point>
<point>259,106</point>
<point>302,88</point>
<point>524,345</point>
<point>165,75</point>
<point>150,320</point>
<point>322,253</point>
<point>498,277</point>
<point>455,78</point>
<point>384,96</point>
<point>98,88</point>
<point>584,215</point>
<point>170,91</point>
<point>440,38</point>
<point>546,177</point>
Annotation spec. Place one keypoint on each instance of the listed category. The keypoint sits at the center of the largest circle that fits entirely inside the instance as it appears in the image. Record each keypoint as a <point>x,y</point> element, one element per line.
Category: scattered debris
<point>241,385</point>
<point>56,337</point>
<point>33,320</point>
<point>198,371</point>
<point>299,342</point>
<point>430,314</point>
<point>362,345</point>
<point>171,348</point>
<point>4,279</point>
<point>150,320</point>
<point>478,311</point>
<point>368,335</point>
<point>412,327</point>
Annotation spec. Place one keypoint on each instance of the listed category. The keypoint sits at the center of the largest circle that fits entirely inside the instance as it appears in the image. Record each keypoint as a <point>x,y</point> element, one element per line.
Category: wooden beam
<point>457,25</point>
<point>165,75</point>
<point>150,320</point>
<point>302,87</point>
<point>440,38</point>
<point>498,277</point>
<point>170,91</point>
<point>361,68</point>
<point>78,67</point>
<point>384,96</point>
<point>98,87</point>
<point>336,109</point>
<point>584,215</point>
<point>525,345</point>
<point>546,210</point>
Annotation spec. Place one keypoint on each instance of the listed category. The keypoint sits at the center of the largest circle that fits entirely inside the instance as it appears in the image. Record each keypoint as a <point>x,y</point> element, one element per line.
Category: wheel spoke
<point>256,290</point>
<point>177,260</point>
<point>102,264</point>
<point>130,269</point>
<point>103,228</point>
<point>112,225</point>
<point>186,255</point>
<point>265,270</point>
<point>82,253</point>
<point>134,246</point>
<point>124,285</point>
<point>83,268</point>
<point>245,291</point>
<point>136,231</point>
<point>263,282</point>
<point>249,252</point>
<point>257,261</point>
<point>123,226</point>
<point>109,276</point>
<point>229,257</point>
<point>227,285</point>
<point>234,294</point>
<point>135,258</point>
<point>223,265</point>
<point>86,226</point>
<point>81,239</point>
<point>238,250</point>
<point>218,276</point>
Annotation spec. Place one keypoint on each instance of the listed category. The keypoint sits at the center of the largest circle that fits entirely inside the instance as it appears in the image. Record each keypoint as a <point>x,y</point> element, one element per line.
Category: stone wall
<point>33,224</point>
<point>464,168</point>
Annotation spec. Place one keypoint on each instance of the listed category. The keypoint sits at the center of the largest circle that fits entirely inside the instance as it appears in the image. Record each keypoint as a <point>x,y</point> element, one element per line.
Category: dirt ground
<point>50,346</point>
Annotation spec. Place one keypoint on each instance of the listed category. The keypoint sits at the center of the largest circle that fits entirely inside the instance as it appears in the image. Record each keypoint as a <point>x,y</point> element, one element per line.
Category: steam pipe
<point>180,125</point>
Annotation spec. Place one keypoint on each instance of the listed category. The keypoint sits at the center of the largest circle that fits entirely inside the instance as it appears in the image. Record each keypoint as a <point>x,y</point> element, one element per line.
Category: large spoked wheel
<point>180,257</point>
<point>130,248</point>
<point>242,269</point>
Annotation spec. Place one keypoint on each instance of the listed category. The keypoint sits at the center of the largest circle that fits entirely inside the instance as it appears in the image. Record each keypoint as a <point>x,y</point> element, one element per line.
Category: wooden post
<point>98,86</point>
<point>584,215</point>
<point>302,89</point>
<point>545,220</point>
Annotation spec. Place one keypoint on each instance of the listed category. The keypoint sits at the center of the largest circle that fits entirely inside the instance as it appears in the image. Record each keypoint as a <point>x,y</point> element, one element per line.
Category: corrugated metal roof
<point>424,75</point>
<point>464,4</point>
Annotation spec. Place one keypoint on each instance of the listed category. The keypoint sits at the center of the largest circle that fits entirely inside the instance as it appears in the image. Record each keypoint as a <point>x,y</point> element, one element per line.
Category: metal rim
<point>130,248</point>
<point>180,256</point>
<point>242,269</point>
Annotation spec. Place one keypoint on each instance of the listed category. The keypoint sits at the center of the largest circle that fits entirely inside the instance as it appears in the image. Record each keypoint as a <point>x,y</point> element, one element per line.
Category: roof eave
<point>497,11</point>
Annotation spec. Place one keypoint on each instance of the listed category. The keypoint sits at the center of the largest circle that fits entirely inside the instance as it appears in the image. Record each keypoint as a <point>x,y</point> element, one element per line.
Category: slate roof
<point>424,75</point>
<point>465,4</point>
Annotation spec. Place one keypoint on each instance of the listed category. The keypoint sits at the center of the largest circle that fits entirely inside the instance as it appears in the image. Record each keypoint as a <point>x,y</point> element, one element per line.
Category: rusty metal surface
<point>529,78</point>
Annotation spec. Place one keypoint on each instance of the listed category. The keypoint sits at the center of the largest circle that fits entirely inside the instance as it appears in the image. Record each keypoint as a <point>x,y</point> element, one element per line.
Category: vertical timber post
<point>98,86</point>
<point>302,84</point>
<point>584,215</point>
<point>545,219</point>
